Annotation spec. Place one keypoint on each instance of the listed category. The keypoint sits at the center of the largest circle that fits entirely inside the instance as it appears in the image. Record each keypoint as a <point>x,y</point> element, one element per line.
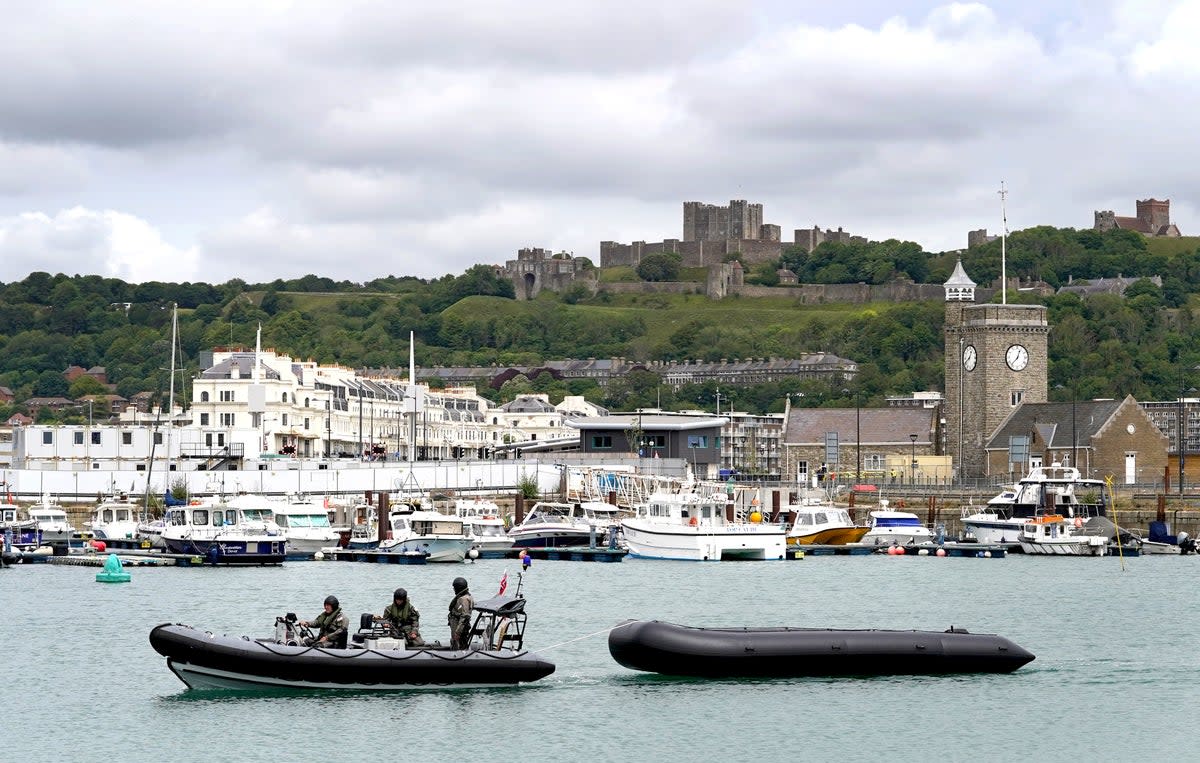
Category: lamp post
<point>913,474</point>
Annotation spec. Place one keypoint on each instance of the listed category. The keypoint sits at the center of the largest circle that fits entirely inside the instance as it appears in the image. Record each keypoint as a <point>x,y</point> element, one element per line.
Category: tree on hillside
<point>660,266</point>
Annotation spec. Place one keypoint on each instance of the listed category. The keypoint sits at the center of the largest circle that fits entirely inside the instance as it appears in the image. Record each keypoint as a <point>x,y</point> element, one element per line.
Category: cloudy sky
<point>174,142</point>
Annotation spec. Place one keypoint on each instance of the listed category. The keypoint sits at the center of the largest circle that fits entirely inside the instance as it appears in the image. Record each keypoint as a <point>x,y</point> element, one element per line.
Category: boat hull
<point>551,538</point>
<point>447,550</point>
<point>230,552</point>
<point>833,536</point>
<point>679,650</point>
<point>206,661</point>
<point>650,540</point>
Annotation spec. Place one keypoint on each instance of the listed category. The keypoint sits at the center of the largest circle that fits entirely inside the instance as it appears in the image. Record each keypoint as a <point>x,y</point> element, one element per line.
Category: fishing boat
<point>1054,489</point>
<point>816,522</point>
<point>223,534</point>
<point>1055,535</point>
<point>21,532</point>
<point>695,525</point>
<point>680,650</point>
<point>114,517</point>
<point>371,660</point>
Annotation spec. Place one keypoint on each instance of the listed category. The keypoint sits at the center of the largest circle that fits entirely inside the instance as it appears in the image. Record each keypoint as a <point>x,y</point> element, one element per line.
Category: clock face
<point>1017,357</point>
<point>969,357</point>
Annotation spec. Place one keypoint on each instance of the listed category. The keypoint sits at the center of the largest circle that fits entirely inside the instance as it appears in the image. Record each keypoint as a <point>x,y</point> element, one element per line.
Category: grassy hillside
<point>1173,246</point>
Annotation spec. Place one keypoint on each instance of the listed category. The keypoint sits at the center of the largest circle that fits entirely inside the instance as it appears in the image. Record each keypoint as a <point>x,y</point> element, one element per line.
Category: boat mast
<point>171,387</point>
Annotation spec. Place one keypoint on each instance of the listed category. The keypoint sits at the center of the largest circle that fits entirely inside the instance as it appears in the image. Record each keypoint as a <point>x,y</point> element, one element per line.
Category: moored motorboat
<point>371,661</point>
<point>52,521</point>
<point>888,526</point>
<point>1054,489</point>
<point>680,650</point>
<point>224,534</point>
<point>822,524</point>
<point>698,526</point>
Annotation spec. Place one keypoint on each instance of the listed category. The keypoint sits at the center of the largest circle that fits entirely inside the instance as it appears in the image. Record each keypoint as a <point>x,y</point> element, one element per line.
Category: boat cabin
<point>811,518</point>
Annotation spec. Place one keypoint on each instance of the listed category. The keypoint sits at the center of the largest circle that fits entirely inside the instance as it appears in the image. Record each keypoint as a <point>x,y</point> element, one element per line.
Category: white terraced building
<point>284,408</point>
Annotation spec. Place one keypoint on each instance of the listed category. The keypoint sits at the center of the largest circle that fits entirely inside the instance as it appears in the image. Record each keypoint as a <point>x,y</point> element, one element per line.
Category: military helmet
<point>460,585</point>
<point>400,594</point>
<point>332,601</point>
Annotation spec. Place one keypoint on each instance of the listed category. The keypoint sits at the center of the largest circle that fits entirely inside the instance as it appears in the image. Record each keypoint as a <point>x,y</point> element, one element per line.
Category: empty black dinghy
<point>679,650</point>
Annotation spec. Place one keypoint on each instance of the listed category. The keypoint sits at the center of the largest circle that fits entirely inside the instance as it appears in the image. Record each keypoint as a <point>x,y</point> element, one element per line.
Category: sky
<point>154,141</point>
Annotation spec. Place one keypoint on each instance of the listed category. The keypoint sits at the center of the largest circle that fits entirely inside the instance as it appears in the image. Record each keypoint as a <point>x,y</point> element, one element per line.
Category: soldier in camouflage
<point>403,618</point>
<point>332,626</point>
<point>459,618</point>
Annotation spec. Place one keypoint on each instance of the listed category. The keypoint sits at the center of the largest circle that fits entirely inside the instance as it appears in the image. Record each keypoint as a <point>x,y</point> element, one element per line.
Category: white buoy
<point>319,556</point>
<point>473,553</point>
<point>987,554</point>
<point>923,552</point>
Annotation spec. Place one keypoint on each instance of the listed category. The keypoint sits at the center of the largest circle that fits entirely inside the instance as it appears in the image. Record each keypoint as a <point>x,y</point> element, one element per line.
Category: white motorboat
<point>1055,535</point>
<point>697,526</point>
<point>444,538</point>
<point>224,534</point>
<point>306,524</point>
<point>114,517</point>
<point>52,520</point>
<point>486,527</point>
<point>888,526</point>
<point>1054,489</point>
<point>555,525</point>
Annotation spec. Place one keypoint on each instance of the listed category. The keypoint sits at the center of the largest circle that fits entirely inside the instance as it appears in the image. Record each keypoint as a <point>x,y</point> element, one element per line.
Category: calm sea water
<point>1115,676</point>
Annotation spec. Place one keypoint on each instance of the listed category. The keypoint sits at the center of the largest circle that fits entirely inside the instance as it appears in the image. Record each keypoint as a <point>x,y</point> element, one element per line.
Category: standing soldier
<point>459,618</point>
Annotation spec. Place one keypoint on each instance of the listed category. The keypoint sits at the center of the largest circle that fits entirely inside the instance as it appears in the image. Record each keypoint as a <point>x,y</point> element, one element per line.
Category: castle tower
<point>996,359</point>
<point>1154,215</point>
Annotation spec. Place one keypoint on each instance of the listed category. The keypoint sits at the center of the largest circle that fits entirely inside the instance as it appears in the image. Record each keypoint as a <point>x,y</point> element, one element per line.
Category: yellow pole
<point>1108,482</point>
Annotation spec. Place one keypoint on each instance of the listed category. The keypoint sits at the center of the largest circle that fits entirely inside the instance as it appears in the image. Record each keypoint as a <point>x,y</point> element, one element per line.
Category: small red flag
<point>503,583</point>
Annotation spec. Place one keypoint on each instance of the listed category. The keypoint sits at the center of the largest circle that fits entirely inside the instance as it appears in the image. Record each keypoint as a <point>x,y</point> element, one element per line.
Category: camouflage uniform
<point>459,619</point>
<point>333,627</point>
<point>406,621</point>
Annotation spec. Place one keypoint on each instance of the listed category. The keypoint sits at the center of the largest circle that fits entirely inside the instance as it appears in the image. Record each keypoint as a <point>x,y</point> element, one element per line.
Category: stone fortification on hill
<point>712,233</point>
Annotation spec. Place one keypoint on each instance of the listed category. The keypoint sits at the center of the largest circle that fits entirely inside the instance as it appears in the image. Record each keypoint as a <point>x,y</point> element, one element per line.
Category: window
<point>226,419</point>
<point>1016,397</point>
<point>283,420</point>
<point>697,441</point>
<point>601,441</point>
<point>306,422</point>
<point>158,438</point>
<point>96,438</point>
<point>79,438</point>
<point>204,397</point>
<point>127,438</point>
<point>204,419</point>
<point>283,398</point>
<point>873,463</point>
<point>226,396</point>
<point>47,438</point>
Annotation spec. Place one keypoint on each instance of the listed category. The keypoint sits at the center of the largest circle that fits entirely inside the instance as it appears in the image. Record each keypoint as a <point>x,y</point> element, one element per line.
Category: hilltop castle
<point>1153,219</point>
<point>712,233</point>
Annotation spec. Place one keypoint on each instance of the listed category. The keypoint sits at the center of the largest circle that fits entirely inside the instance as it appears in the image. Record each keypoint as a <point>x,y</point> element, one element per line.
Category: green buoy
<point>113,572</point>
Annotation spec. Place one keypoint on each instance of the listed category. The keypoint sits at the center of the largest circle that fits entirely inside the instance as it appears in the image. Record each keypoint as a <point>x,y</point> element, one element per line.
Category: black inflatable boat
<point>679,650</point>
<point>374,660</point>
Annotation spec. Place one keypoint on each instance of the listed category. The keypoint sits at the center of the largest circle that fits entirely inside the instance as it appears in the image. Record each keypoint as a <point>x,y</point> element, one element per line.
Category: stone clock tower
<point>996,360</point>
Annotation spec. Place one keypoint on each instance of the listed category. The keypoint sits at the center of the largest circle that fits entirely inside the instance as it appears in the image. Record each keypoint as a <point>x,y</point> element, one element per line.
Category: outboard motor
<point>287,632</point>
<point>1186,545</point>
